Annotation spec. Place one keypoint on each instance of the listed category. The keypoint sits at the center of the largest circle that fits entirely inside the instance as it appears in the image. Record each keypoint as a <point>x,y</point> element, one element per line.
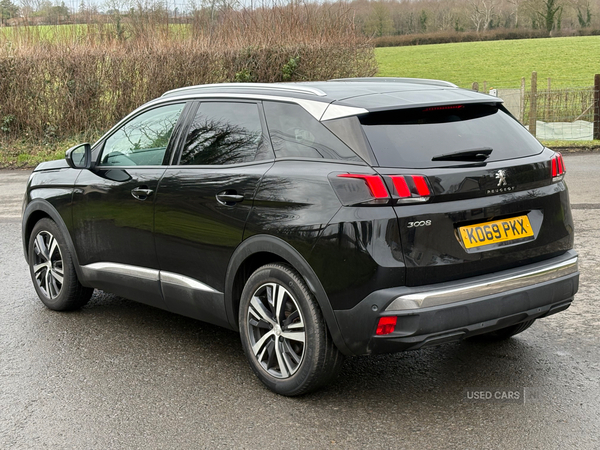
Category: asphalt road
<point>117,374</point>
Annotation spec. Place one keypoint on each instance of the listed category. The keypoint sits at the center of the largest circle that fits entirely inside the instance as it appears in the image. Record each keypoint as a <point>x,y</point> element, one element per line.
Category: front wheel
<point>283,332</point>
<point>52,270</point>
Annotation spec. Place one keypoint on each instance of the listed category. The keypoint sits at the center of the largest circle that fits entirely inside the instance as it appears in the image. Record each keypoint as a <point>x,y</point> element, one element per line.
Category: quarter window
<point>295,133</point>
<point>225,133</point>
<point>143,140</point>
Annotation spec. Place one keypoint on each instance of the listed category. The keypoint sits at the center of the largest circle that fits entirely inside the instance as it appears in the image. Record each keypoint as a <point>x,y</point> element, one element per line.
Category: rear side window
<point>297,134</point>
<point>225,133</point>
<point>411,138</point>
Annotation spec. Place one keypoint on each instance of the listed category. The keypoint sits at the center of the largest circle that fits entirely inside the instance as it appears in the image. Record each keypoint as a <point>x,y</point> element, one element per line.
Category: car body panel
<point>109,223</point>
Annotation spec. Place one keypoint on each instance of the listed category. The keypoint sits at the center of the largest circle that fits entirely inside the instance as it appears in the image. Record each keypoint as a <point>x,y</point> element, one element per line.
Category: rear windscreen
<point>411,138</point>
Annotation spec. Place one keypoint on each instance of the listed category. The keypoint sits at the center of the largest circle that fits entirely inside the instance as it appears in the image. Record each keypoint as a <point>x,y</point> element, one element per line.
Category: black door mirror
<point>80,156</point>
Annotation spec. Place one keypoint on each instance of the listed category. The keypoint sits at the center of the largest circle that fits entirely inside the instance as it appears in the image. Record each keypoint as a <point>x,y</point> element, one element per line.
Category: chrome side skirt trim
<point>122,269</point>
<point>148,274</point>
<point>494,286</point>
<point>185,282</point>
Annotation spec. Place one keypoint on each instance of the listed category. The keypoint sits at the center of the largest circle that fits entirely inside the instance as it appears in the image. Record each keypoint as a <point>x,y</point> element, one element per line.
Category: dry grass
<point>89,77</point>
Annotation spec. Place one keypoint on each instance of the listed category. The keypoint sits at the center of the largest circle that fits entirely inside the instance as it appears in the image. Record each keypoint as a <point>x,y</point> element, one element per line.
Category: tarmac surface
<point>118,374</point>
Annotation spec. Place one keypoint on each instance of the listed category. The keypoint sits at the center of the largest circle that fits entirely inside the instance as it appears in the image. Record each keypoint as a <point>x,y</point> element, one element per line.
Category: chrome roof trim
<point>495,286</point>
<point>300,89</point>
<point>425,81</point>
<point>315,108</point>
<point>334,111</point>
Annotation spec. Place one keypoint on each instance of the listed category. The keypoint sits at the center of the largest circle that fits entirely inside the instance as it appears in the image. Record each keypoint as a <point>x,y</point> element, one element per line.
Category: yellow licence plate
<point>497,231</point>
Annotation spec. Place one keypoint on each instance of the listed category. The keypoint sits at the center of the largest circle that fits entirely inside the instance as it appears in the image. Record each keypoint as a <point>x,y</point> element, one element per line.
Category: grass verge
<point>24,154</point>
<point>573,146</point>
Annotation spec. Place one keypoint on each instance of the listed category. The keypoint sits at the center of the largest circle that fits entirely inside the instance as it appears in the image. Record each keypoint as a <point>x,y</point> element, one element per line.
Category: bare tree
<point>517,8</point>
<point>584,12</point>
<point>482,13</point>
<point>379,22</point>
<point>548,12</point>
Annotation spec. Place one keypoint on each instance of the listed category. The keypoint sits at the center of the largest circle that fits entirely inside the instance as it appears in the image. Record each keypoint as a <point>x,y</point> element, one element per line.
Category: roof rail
<point>398,80</point>
<point>282,87</point>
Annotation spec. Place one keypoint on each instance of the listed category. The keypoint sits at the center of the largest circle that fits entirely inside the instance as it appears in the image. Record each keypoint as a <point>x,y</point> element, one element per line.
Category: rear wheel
<point>52,271</point>
<point>283,332</point>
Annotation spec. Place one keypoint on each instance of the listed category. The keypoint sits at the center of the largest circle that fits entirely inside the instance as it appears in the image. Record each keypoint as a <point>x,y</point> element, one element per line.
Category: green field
<point>569,62</point>
<point>72,33</point>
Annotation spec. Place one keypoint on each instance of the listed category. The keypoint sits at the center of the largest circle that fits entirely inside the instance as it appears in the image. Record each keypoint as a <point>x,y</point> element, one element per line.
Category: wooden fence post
<point>596,107</point>
<point>522,109</point>
<point>533,104</point>
<point>548,100</point>
<point>475,86</point>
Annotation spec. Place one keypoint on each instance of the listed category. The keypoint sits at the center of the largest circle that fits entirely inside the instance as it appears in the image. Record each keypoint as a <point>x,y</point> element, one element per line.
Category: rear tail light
<point>411,187</point>
<point>355,189</point>
<point>386,325</point>
<point>558,167</point>
<point>374,183</point>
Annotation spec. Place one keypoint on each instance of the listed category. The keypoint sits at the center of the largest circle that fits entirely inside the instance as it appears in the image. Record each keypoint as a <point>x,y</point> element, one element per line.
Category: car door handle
<point>229,198</point>
<point>141,192</point>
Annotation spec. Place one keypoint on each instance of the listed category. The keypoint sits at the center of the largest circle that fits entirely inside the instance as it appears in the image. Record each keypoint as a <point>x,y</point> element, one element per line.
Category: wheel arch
<point>39,209</point>
<point>259,250</point>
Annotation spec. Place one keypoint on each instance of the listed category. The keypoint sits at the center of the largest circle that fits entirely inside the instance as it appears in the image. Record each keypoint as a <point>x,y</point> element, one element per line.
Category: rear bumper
<point>434,314</point>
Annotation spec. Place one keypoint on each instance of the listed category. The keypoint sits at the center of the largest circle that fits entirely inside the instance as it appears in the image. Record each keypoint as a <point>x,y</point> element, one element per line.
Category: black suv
<point>319,220</point>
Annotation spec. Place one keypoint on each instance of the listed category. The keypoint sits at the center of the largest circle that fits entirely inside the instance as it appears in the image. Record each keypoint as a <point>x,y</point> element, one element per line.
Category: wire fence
<point>554,113</point>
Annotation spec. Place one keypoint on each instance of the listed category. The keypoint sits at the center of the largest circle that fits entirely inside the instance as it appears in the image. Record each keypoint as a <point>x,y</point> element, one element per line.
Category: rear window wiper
<point>474,154</point>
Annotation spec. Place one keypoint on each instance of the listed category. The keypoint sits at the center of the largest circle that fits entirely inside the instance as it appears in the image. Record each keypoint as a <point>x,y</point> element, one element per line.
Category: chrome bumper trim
<point>493,286</point>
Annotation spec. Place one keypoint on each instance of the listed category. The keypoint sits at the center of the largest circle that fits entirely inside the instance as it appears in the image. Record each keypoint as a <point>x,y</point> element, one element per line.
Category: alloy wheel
<point>276,330</point>
<point>48,264</point>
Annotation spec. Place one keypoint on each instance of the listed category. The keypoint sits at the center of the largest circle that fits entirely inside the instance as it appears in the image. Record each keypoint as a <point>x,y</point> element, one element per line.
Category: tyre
<point>283,332</point>
<point>508,332</point>
<point>52,271</point>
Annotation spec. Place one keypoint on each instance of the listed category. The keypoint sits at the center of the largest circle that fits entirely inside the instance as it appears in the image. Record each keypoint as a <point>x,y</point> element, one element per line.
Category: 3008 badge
<point>421,223</point>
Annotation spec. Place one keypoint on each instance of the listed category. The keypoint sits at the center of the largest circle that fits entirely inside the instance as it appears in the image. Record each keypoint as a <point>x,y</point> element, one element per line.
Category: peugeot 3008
<point>319,220</point>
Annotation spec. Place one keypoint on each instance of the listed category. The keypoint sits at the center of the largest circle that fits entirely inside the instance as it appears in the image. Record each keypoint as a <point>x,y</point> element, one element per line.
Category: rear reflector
<point>386,325</point>
<point>558,167</point>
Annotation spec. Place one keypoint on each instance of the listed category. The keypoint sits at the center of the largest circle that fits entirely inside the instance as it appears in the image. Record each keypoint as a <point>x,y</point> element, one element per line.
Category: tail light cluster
<point>558,167</point>
<point>355,189</point>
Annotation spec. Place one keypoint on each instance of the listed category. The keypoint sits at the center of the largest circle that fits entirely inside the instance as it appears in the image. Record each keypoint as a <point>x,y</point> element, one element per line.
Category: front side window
<point>225,133</point>
<point>143,140</point>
